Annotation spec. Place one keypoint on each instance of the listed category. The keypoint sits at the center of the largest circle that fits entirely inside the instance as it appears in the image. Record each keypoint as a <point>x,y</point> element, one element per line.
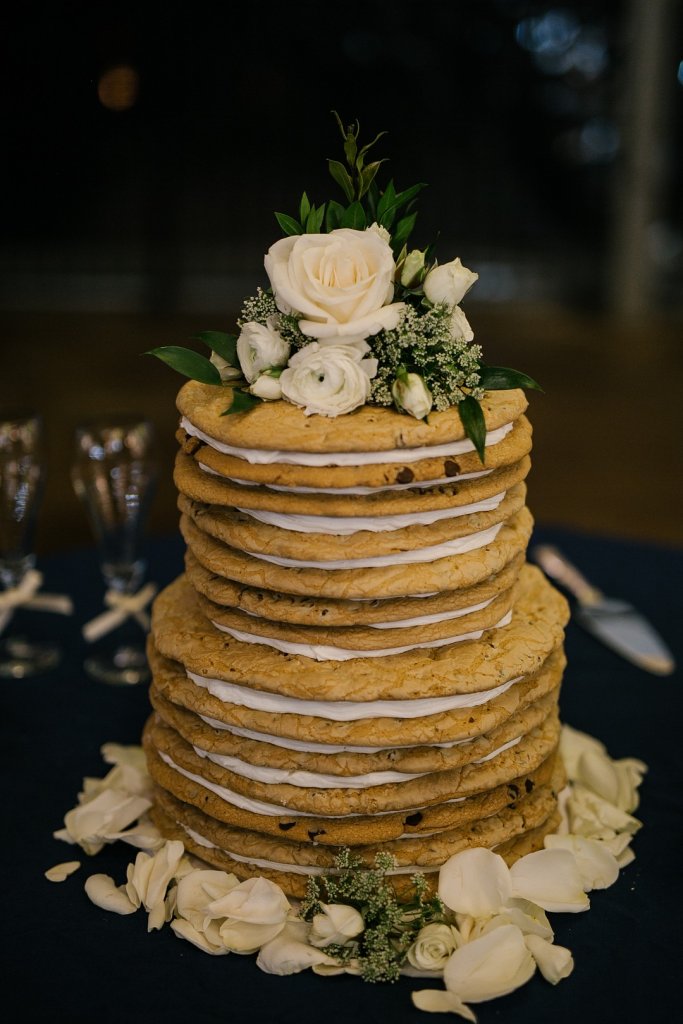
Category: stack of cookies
<point>357,654</point>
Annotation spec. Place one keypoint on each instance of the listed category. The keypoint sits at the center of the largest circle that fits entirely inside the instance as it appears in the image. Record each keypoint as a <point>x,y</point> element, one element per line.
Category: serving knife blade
<point>616,623</point>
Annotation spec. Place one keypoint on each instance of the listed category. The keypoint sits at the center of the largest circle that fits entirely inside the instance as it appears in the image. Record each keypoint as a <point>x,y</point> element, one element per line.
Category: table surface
<point>66,960</point>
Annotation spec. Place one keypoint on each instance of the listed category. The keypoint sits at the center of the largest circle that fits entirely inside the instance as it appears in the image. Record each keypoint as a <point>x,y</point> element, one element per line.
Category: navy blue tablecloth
<point>66,960</point>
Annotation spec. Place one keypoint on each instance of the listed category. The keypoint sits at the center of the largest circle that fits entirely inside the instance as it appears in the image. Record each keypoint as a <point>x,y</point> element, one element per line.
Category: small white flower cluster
<point>338,288</point>
<point>494,931</point>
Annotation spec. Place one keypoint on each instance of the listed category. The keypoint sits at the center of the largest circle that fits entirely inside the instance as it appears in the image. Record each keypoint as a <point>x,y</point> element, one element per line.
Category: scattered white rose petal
<point>597,866</point>
<point>184,930</point>
<point>475,882</point>
<point>149,877</point>
<point>257,901</point>
<point>197,889</point>
<point>625,858</point>
<point>117,753</point>
<point>589,814</point>
<point>554,962</point>
<point>60,872</point>
<point>351,966</point>
<point>289,953</point>
<point>104,893</point>
<point>435,1000</point>
<point>489,967</point>
<point>336,924</point>
<point>528,917</point>
<point>573,744</point>
<point>91,824</point>
<point>247,937</point>
<point>551,879</point>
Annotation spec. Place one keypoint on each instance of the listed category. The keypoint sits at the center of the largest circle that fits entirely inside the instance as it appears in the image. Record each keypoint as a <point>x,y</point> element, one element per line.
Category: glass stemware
<point>22,472</point>
<point>114,477</point>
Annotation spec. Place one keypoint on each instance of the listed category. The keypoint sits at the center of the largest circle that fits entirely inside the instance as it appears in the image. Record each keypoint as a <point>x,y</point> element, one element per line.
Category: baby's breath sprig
<point>390,927</point>
<point>261,307</point>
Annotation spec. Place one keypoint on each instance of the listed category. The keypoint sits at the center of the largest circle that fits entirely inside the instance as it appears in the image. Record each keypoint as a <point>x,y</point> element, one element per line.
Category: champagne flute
<point>114,477</point>
<point>22,474</point>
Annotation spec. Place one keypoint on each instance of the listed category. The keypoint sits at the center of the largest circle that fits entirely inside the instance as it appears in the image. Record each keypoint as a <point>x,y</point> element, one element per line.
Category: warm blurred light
<point>118,87</point>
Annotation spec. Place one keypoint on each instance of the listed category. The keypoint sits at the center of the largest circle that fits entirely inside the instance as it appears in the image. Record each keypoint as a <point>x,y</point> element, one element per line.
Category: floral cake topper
<point>352,315</point>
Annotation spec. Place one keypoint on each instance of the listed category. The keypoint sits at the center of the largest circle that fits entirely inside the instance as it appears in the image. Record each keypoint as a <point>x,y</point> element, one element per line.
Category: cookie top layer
<point>370,428</point>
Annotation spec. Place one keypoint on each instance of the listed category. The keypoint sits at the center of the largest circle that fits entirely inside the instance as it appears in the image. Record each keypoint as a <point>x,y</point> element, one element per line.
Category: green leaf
<point>242,401</point>
<point>366,149</point>
<point>304,208</point>
<point>472,419</point>
<point>350,143</point>
<point>334,215</point>
<point>224,345</point>
<point>402,199</point>
<point>501,378</point>
<point>288,224</point>
<point>402,233</point>
<point>187,362</point>
<point>354,217</point>
<point>372,199</point>
<point>342,177</point>
<point>368,176</point>
<point>315,220</point>
<point>387,199</point>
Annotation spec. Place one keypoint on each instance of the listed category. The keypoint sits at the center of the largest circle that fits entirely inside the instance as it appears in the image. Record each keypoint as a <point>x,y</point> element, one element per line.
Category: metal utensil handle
<point>555,565</point>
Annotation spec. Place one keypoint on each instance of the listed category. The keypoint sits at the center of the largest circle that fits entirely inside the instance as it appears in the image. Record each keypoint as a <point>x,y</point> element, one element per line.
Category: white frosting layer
<point>419,485</point>
<point>260,807</point>
<point>294,869</point>
<point>345,710</point>
<point>325,652</point>
<point>322,780</point>
<point>344,526</point>
<point>458,546</point>
<point>417,620</point>
<point>263,457</point>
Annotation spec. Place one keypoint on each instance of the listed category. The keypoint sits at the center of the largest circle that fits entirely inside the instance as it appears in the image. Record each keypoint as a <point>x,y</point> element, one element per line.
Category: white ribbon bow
<point>122,606</point>
<point>26,596</point>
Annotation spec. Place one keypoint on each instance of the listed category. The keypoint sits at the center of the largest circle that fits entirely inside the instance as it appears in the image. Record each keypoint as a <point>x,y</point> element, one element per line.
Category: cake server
<point>616,623</point>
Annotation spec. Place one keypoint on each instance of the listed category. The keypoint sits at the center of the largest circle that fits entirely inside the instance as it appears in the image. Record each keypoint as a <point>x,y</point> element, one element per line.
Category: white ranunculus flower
<point>329,380</point>
<point>433,947</point>
<point>259,347</point>
<point>336,924</point>
<point>411,395</point>
<point>475,882</point>
<point>341,284</point>
<point>448,283</point>
<point>226,369</point>
<point>267,387</point>
<point>460,327</point>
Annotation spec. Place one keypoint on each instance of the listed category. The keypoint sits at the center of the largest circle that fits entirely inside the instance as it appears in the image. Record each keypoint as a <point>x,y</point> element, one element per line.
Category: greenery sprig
<point>390,927</point>
<point>197,367</point>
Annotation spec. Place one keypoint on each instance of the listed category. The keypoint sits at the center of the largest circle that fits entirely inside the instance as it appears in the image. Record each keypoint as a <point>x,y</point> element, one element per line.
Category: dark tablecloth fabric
<point>66,960</point>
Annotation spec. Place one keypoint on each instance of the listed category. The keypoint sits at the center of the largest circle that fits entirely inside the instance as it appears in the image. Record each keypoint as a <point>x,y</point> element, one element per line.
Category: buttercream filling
<point>458,546</point>
<point>321,780</point>
<point>417,485</point>
<point>265,457</point>
<point>343,526</point>
<point>345,710</point>
<point>325,652</point>
<point>245,803</point>
<point>292,869</point>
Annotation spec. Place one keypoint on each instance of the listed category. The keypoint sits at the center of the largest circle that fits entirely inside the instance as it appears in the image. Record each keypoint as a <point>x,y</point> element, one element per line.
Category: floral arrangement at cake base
<point>483,933</point>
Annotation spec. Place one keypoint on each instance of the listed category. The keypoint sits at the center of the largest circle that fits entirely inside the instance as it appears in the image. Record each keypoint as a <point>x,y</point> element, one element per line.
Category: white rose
<point>329,380</point>
<point>433,946</point>
<point>259,347</point>
<point>412,395</point>
<point>381,231</point>
<point>336,925</point>
<point>341,283</point>
<point>460,327</point>
<point>226,369</point>
<point>448,283</point>
<point>267,387</point>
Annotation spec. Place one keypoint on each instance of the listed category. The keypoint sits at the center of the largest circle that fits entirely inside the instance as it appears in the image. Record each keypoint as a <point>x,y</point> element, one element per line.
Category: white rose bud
<point>433,946</point>
<point>267,387</point>
<point>337,924</point>
<point>259,347</point>
<point>412,267</point>
<point>226,369</point>
<point>412,395</point>
<point>449,283</point>
<point>460,327</point>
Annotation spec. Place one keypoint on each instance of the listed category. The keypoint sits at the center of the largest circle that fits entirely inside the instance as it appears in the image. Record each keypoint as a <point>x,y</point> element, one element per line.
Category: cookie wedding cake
<point>357,654</point>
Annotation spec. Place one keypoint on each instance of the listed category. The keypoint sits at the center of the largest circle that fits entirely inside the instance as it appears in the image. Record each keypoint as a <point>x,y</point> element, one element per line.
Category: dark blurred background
<point>146,146</point>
